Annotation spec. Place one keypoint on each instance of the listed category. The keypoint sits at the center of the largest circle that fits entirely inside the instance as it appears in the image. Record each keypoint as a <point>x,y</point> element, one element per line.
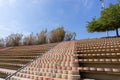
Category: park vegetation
<point>108,21</point>
<point>57,35</point>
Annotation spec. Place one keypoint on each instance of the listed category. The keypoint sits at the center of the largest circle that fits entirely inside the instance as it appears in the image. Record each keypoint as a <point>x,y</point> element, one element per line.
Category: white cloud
<point>11,2</point>
<point>12,27</point>
<point>79,6</point>
<point>1,2</point>
<point>41,2</point>
<point>7,3</point>
<point>4,31</point>
<point>35,1</point>
<point>87,3</point>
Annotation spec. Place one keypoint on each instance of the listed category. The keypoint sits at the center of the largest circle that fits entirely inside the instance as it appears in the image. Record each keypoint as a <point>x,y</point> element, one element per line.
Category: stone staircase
<point>60,63</point>
<point>99,59</point>
<point>91,59</point>
<point>16,57</point>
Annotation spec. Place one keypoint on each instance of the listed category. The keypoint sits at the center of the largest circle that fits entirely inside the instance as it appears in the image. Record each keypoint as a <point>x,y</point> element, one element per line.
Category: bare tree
<point>13,39</point>
<point>69,36</point>
<point>57,35</point>
<point>42,37</point>
<point>29,40</point>
<point>2,42</point>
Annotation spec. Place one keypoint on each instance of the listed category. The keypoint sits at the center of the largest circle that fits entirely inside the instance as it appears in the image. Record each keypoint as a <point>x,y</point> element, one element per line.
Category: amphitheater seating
<point>57,64</point>
<point>14,58</point>
<point>90,59</point>
<point>99,59</point>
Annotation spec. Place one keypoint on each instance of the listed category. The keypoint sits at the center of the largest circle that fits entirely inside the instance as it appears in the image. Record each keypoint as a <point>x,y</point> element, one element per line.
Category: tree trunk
<point>117,33</point>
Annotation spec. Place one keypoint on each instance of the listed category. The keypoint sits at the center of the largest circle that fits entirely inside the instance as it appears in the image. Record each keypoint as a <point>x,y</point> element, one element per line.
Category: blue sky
<point>26,16</point>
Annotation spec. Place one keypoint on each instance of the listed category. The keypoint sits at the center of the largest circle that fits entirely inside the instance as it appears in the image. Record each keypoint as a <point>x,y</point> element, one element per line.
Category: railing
<point>8,78</point>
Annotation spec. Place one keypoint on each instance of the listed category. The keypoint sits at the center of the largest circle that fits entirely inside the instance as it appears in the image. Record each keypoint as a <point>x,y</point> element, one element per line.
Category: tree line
<point>57,35</point>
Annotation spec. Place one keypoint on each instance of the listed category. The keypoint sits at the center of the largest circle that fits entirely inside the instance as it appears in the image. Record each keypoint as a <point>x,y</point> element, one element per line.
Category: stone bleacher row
<point>99,59</point>
<point>7,71</point>
<point>14,58</point>
<point>57,64</point>
<point>92,59</point>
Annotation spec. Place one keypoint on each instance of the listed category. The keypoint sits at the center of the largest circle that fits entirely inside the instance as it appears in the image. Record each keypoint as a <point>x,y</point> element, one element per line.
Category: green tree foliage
<point>57,35</point>
<point>69,36</point>
<point>13,39</point>
<point>92,26</point>
<point>42,37</point>
<point>109,20</point>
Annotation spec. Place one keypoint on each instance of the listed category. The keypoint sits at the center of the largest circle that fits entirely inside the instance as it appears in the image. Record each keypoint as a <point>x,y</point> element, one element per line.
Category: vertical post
<point>103,7</point>
<point>74,36</point>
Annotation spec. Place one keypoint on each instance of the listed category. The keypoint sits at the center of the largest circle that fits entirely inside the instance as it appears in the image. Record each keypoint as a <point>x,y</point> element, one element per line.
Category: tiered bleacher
<point>99,59</point>
<point>90,59</point>
<point>57,64</point>
<point>13,58</point>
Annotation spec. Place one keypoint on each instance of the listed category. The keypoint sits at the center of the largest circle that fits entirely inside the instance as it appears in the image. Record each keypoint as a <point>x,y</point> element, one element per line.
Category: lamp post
<point>103,7</point>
